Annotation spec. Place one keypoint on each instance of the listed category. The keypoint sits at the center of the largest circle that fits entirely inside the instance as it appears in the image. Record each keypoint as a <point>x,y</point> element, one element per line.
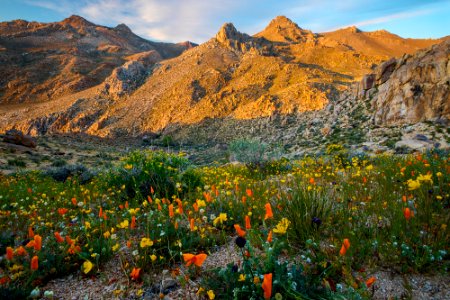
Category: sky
<point>199,20</point>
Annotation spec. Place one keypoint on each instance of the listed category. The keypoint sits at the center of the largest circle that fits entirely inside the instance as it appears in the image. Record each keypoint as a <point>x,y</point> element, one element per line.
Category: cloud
<point>168,20</point>
<point>199,20</point>
<point>392,17</point>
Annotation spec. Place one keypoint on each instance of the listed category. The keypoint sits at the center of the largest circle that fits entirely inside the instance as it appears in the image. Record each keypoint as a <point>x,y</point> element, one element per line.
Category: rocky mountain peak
<point>282,22</point>
<point>228,32</point>
<point>283,29</point>
<point>76,21</point>
<point>352,29</point>
<point>231,38</point>
<point>124,28</point>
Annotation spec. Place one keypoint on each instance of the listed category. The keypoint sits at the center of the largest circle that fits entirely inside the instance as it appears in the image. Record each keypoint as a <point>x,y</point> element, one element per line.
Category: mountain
<point>283,73</point>
<point>44,61</point>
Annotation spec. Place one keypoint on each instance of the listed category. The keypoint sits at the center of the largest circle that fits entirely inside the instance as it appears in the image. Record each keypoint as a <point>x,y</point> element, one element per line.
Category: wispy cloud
<point>392,17</point>
<point>199,20</point>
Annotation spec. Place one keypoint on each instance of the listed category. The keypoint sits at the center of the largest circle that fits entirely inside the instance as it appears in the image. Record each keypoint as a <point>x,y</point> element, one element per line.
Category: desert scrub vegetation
<point>313,228</point>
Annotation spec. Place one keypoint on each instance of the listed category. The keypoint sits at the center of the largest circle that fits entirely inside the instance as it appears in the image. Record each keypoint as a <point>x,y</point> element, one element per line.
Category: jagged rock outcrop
<point>231,38</point>
<point>125,79</point>
<point>410,89</point>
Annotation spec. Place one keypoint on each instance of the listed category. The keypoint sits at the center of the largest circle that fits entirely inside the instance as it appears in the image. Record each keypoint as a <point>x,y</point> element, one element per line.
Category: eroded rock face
<point>125,79</point>
<point>231,38</point>
<point>410,89</point>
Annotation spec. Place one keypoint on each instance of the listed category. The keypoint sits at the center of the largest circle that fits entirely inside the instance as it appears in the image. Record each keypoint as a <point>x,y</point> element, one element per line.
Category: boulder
<point>17,137</point>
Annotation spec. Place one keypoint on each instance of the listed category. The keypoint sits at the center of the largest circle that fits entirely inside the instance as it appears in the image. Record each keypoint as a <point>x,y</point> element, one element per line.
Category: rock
<point>421,137</point>
<point>17,137</point>
<point>368,81</point>
<point>168,285</point>
<point>385,70</point>
<point>125,79</point>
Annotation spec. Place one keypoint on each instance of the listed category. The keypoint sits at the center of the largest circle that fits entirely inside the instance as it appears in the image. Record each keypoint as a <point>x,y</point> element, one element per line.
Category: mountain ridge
<point>233,76</point>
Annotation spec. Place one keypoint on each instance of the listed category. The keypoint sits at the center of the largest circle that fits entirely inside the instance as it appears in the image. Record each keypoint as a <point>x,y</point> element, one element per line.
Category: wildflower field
<point>314,228</point>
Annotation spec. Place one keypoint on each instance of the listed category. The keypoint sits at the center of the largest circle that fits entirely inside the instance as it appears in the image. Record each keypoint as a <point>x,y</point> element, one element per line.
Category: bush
<point>257,156</point>
<point>61,174</point>
<point>165,174</point>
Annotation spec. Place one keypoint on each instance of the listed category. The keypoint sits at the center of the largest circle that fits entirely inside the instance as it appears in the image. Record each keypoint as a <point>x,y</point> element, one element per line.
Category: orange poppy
<point>149,199</point>
<point>267,286</point>
<point>100,212</point>
<point>311,180</point>
<point>249,192</point>
<point>58,237</point>
<point>195,205</point>
<point>133,222</point>
<point>239,230</point>
<point>126,204</point>
<point>269,213</point>
<point>244,199</point>
<point>135,273</point>
<point>207,197</point>
<point>62,211</point>
<point>175,225</point>
<point>197,260</point>
<point>30,233</point>
<point>370,281</point>
<point>269,237</point>
<point>37,242</point>
<point>407,213</point>
<point>30,244</point>
<point>34,263</point>
<point>69,240</point>
<point>9,253</point>
<point>345,247</point>
<point>247,222</point>
<point>192,224</point>
<point>159,207</point>
<point>74,201</point>
<point>21,251</point>
<point>171,214</point>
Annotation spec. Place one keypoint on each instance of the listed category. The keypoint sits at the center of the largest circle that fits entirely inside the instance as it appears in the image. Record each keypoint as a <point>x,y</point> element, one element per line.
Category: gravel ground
<point>113,283</point>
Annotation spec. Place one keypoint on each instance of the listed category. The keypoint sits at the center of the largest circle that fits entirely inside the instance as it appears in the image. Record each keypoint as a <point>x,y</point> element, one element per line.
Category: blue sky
<point>199,20</point>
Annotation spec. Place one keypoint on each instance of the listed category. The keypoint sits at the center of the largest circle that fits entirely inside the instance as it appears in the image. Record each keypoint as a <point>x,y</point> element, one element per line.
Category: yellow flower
<point>425,178</point>
<point>439,174</point>
<point>413,184</point>
<point>201,203</point>
<point>87,266</point>
<point>282,226</point>
<point>200,291</point>
<point>146,242</point>
<point>153,257</point>
<point>115,247</point>
<point>439,197</point>
<point>87,225</point>
<point>133,211</point>
<point>211,294</point>
<point>106,234</point>
<point>123,224</point>
<point>128,167</point>
<point>220,219</point>
<point>242,277</point>
<point>369,167</point>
